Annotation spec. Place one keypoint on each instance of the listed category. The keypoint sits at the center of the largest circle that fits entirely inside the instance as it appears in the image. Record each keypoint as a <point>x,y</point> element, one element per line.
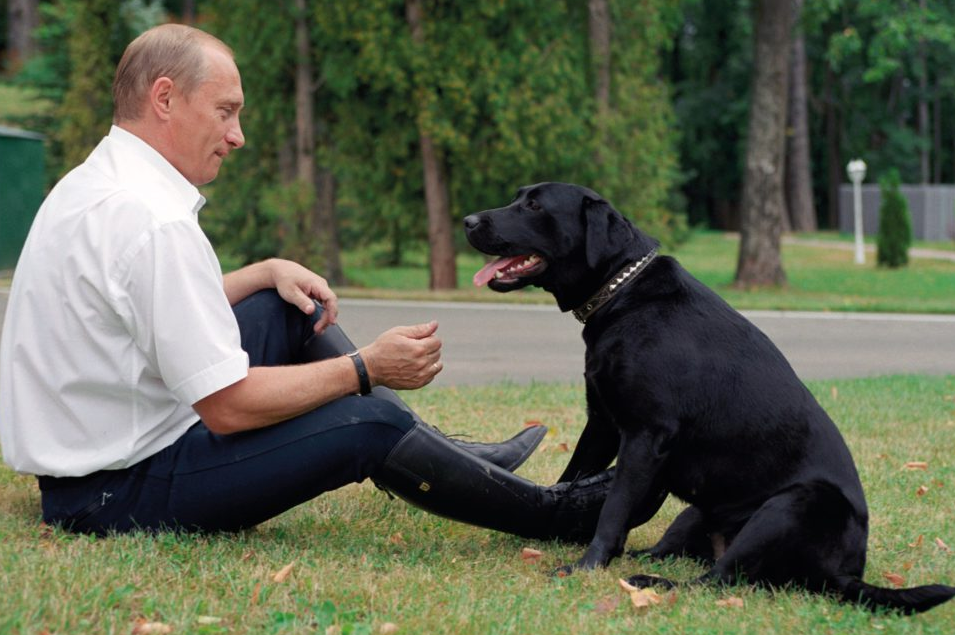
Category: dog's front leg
<point>635,496</point>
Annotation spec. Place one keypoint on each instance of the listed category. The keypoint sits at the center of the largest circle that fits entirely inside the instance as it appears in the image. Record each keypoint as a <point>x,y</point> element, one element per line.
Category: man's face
<point>206,124</point>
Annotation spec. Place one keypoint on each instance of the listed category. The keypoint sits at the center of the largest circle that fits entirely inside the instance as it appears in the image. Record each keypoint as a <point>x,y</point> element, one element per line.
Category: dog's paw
<point>642,581</point>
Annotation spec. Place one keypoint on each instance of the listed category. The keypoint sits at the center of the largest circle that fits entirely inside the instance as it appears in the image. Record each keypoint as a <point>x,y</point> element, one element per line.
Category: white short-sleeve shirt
<point>117,321</point>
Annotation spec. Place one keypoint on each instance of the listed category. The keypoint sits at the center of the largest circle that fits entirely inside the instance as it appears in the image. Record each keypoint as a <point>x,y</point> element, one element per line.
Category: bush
<point>895,224</point>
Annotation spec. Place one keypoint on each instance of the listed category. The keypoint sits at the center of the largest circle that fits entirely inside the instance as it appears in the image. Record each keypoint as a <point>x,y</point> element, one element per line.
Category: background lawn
<point>822,277</point>
<point>361,561</point>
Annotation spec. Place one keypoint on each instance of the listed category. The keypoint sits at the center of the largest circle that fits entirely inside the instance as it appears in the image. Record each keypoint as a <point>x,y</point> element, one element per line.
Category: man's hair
<point>175,51</point>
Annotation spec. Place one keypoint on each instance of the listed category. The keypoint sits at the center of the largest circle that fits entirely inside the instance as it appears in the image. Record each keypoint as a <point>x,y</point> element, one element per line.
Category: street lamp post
<point>856,171</point>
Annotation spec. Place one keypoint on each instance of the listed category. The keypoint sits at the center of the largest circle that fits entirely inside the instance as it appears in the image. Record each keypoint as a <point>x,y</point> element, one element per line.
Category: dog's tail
<point>912,600</point>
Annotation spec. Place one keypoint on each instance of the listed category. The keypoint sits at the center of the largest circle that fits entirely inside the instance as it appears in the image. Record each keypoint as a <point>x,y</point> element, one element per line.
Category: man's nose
<point>235,137</point>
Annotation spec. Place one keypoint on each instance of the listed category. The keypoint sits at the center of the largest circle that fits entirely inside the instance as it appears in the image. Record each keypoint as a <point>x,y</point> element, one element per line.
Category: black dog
<point>693,400</point>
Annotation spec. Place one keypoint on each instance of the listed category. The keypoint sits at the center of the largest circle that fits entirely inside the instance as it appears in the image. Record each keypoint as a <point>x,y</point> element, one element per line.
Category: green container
<point>22,186</point>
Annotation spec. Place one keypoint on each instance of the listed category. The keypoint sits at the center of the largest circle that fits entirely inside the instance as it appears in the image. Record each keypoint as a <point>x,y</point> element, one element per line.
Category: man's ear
<point>160,97</point>
<point>607,231</point>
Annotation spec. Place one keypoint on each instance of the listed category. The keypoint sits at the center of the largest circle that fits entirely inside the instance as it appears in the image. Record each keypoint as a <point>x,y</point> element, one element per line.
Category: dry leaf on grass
<point>918,541</point>
<point>916,465</point>
<point>397,539</point>
<point>563,447</point>
<point>283,573</point>
<point>921,491</point>
<point>532,423</point>
<point>642,599</point>
<point>531,555</point>
<point>334,629</point>
<point>734,602</point>
<point>142,627</point>
<point>835,392</point>
<point>941,545</point>
<point>255,594</point>
<point>894,579</point>
<point>388,628</point>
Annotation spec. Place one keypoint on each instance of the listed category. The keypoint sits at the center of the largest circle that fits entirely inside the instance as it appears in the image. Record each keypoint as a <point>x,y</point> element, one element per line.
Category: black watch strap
<point>364,382</point>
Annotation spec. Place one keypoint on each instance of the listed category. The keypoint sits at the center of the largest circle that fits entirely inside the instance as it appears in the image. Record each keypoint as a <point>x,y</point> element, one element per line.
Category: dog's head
<point>563,238</point>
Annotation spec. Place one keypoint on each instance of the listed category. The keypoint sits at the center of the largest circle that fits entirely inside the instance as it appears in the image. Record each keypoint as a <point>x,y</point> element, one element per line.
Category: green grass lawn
<point>361,560</point>
<point>820,279</point>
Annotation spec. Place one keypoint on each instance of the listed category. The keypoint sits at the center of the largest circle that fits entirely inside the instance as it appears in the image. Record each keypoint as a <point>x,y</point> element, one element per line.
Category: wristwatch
<point>364,383</point>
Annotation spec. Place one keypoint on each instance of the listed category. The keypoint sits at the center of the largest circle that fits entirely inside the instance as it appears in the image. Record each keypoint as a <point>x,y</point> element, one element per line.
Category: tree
<point>895,225</point>
<point>23,18</point>
<point>799,197</point>
<point>440,242</point>
<point>762,210</point>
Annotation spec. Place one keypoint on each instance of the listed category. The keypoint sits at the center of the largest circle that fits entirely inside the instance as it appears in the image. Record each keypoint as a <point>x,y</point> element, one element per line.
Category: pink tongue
<point>487,272</point>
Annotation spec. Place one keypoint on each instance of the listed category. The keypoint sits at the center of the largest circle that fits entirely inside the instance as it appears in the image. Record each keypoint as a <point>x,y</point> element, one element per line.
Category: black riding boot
<point>509,454</point>
<point>429,472</point>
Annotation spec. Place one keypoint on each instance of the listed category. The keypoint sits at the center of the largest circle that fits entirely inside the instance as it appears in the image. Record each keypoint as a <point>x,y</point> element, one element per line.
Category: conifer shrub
<point>895,223</point>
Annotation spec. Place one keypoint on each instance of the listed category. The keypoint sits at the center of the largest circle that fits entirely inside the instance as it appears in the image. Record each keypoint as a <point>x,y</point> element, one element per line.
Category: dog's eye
<point>533,205</point>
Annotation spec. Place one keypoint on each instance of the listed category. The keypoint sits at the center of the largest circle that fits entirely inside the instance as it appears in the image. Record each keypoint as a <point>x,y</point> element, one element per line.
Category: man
<point>147,390</point>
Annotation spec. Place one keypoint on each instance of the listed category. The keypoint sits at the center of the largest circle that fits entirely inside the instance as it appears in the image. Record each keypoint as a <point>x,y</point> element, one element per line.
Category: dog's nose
<point>471,221</point>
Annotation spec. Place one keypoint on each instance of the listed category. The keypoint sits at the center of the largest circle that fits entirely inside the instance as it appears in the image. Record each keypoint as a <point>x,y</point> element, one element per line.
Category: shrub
<point>895,225</point>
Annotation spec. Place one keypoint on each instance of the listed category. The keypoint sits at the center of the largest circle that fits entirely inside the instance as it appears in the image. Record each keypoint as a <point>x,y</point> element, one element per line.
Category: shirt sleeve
<point>180,316</point>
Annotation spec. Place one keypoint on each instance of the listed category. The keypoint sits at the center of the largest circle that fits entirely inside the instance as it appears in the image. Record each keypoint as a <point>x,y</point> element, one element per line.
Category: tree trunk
<point>600,30</point>
<point>833,150</point>
<point>440,236</point>
<point>763,205</point>
<point>799,203</point>
<point>923,122</point>
<point>319,182</point>
<point>23,17</point>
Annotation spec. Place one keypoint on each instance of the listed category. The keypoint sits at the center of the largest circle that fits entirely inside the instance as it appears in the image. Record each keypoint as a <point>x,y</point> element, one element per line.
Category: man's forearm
<point>242,283</point>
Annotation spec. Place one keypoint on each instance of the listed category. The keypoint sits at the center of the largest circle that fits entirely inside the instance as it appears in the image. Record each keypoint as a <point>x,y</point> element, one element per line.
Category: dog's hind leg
<point>807,535</point>
<point>687,536</point>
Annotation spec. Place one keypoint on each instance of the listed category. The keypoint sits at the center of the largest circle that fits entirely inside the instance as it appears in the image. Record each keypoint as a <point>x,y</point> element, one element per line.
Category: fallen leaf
<point>907,566</point>
<point>916,465</point>
<point>388,628</point>
<point>735,602</point>
<point>918,541</point>
<point>921,491</point>
<point>397,539</point>
<point>283,573</point>
<point>835,392</point>
<point>531,555</point>
<point>643,599</point>
<point>142,627</point>
<point>255,593</point>
<point>607,604</point>
<point>334,629</point>
<point>894,579</point>
<point>941,545</point>
<point>562,447</point>
<point>532,423</point>
<point>248,555</point>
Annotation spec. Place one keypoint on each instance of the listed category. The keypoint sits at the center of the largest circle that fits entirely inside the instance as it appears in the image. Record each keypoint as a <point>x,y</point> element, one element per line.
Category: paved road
<point>494,342</point>
<point>484,343</point>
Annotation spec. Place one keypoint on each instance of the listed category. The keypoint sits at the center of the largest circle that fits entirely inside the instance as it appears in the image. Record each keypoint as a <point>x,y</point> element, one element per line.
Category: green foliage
<point>501,87</point>
<point>895,224</point>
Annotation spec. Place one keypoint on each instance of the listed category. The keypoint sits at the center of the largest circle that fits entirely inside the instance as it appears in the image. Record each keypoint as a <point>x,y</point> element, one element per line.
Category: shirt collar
<point>129,142</point>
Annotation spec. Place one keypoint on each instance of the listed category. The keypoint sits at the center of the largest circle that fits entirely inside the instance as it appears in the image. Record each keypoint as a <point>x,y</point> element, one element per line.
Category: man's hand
<point>404,357</point>
<point>299,286</point>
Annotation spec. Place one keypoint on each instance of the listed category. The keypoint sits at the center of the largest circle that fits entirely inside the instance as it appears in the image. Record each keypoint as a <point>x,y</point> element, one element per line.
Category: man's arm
<point>405,357</point>
<point>296,284</point>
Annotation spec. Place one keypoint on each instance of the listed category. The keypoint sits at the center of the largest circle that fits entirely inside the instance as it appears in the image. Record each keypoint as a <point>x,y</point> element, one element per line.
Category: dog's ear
<point>606,230</point>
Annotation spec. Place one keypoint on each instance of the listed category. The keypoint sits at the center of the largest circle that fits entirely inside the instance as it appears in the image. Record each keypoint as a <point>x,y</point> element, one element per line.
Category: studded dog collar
<point>624,276</point>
